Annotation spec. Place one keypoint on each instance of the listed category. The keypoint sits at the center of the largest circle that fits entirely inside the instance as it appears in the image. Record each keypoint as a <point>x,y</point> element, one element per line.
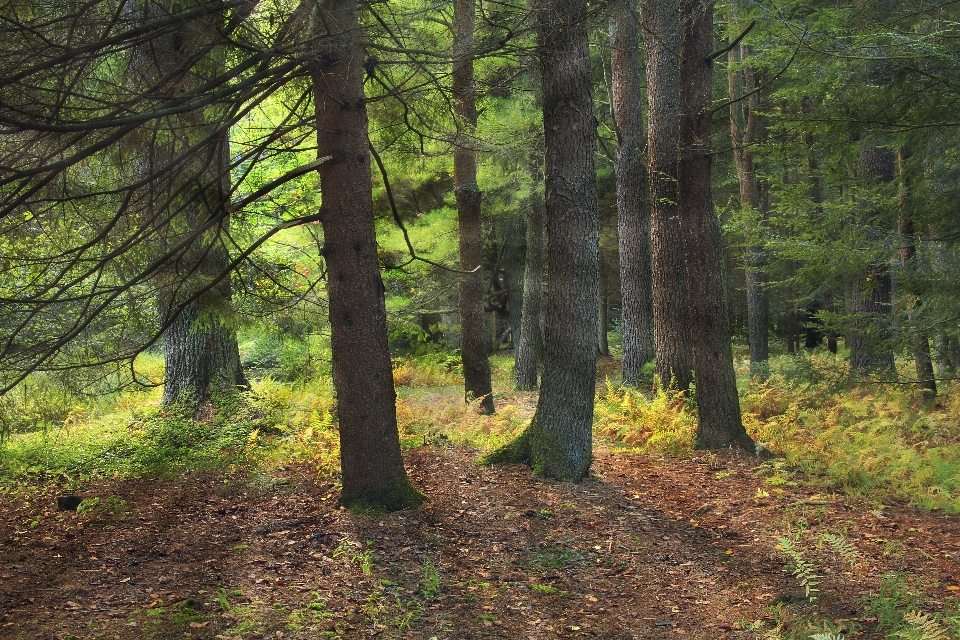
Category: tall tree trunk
<point>603,321</point>
<point>744,103</point>
<point>473,343</point>
<point>513,275</point>
<point>718,406</point>
<point>869,334</point>
<point>633,208</point>
<point>671,315</point>
<point>199,344</point>
<point>919,340</point>
<point>558,441</point>
<point>372,469</point>
<point>529,345</point>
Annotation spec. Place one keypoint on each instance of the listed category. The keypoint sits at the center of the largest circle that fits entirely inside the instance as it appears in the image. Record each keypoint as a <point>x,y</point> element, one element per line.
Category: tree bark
<point>372,469</point>
<point>919,340</point>
<point>743,132</point>
<point>199,345</point>
<point>718,406</point>
<point>869,334</point>
<point>513,275</point>
<point>473,343</point>
<point>633,207</point>
<point>530,343</point>
<point>671,316</point>
<point>558,441</point>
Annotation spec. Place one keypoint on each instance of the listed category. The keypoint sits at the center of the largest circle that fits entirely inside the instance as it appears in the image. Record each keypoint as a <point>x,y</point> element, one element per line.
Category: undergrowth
<point>878,441</point>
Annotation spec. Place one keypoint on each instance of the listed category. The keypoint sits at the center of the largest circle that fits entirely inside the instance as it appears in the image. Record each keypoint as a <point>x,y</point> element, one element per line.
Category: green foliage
<point>431,579</point>
<point>664,423</point>
<point>802,569</point>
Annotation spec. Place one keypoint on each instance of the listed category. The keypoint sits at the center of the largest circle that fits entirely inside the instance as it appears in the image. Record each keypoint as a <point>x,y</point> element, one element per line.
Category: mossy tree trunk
<point>718,405</point>
<point>558,441</point>
<point>373,475</point>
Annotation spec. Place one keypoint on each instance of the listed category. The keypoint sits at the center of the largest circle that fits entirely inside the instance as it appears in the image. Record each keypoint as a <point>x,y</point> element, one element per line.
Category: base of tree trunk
<point>532,447</point>
<point>397,497</point>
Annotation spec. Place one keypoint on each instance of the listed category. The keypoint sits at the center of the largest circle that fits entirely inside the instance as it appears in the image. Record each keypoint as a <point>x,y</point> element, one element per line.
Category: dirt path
<point>649,548</point>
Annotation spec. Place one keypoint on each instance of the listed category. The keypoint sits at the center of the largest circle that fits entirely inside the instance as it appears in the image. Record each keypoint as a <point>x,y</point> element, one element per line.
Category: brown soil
<point>647,548</point>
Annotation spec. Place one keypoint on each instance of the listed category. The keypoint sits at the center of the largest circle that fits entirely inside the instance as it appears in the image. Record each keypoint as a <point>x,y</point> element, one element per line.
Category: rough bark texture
<point>374,478</point>
<point>869,334</point>
<point>633,207</point>
<point>473,342</point>
<point>743,132</point>
<point>558,442</point>
<point>918,337</point>
<point>718,406</point>
<point>530,341</point>
<point>671,318</point>
<point>201,356</point>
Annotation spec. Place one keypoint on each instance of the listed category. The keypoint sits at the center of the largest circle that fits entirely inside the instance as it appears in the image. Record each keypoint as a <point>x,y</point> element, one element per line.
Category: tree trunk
<point>473,344</point>
<point>201,356</point>
<point>671,316</point>
<point>919,340</point>
<point>633,208</point>
<point>869,334</point>
<point>530,342</point>
<point>558,442</point>
<point>372,467</point>
<point>718,406</point>
<point>513,276</point>
<point>743,130</point>
<point>603,321</point>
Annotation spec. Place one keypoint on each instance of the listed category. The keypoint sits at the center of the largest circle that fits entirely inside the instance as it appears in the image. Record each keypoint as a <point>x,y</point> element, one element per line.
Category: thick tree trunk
<point>718,406</point>
<point>558,442</point>
<point>473,343</point>
<point>671,316</point>
<point>869,335</point>
<point>373,475</point>
<point>201,356</point>
<point>919,340</point>
<point>743,131</point>
<point>633,208</point>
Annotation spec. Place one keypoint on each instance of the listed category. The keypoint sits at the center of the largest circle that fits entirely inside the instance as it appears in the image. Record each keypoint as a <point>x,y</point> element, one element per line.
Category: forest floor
<point>648,547</point>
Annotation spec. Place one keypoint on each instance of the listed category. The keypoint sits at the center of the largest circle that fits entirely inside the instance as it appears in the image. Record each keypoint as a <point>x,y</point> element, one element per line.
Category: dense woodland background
<point>242,232</point>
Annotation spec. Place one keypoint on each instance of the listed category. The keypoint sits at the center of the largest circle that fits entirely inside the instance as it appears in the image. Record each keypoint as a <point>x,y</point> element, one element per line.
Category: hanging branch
<point>403,229</point>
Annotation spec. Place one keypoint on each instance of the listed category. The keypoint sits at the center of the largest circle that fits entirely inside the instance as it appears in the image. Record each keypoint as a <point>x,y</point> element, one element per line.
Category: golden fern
<point>922,626</point>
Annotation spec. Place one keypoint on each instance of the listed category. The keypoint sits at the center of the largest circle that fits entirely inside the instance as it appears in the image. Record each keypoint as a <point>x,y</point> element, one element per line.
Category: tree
<point>558,441</point>
<point>718,406</point>
<point>869,333</point>
<point>473,339</point>
<point>633,211</point>
<point>373,475</point>
<point>671,317</point>
<point>201,356</point>
<point>744,104</point>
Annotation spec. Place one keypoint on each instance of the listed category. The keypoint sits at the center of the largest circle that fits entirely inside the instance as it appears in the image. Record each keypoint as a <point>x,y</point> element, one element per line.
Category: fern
<point>803,569</point>
<point>827,636</point>
<point>922,626</point>
<point>843,548</point>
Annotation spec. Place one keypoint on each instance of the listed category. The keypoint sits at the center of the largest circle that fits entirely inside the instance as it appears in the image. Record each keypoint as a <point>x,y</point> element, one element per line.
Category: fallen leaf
<point>199,625</point>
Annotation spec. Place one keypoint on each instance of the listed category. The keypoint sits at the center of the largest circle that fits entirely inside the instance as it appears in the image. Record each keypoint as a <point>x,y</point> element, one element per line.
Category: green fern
<point>843,548</point>
<point>922,626</point>
<point>802,569</point>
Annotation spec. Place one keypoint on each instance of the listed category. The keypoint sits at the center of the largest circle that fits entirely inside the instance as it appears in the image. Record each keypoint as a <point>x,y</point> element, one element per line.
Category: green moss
<point>517,451</point>
<point>545,456</point>
<point>397,496</point>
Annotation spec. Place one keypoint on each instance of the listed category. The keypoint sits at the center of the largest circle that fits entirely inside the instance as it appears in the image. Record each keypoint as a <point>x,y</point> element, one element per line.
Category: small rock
<point>68,503</point>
